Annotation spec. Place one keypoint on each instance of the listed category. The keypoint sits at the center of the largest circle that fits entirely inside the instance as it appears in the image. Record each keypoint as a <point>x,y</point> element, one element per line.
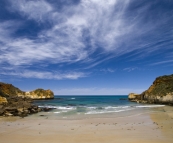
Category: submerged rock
<point>122,99</point>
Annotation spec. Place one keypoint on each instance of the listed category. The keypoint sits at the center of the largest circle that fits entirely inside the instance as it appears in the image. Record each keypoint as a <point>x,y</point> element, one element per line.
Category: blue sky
<point>85,47</point>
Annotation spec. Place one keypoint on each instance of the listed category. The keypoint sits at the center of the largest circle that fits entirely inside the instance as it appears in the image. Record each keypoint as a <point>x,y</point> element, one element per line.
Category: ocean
<point>87,106</point>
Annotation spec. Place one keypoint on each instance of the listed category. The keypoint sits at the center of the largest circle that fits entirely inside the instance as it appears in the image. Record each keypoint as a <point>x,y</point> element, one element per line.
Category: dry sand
<point>152,127</point>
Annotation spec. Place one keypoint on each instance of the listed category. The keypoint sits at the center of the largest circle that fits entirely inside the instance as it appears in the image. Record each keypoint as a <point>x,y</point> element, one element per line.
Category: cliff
<point>15,102</point>
<point>8,90</point>
<point>40,94</point>
<point>161,91</point>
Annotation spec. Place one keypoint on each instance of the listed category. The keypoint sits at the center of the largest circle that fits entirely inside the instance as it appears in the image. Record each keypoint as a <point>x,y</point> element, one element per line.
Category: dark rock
<point>122,99</point>
<point>1,111</point>
<point>15,102</point>
<point>47,109</point>
<point>18,106</point>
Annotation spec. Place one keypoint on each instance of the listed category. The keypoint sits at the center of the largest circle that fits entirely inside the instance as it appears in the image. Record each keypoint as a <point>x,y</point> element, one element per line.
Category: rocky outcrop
<point>3,100</point>
<point>161,91</point>
<point>15,102</point>
<point>40,94</point>
<point>133,96</point>
<point>8,90</point>
<point>18,106</point>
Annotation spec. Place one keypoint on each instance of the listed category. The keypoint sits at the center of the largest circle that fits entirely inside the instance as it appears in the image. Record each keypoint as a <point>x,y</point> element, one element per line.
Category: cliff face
<point>15,102</point>
<point>161,91</point>
<point>3,100</point>
<point>40,94</point>
<point>8,90</point>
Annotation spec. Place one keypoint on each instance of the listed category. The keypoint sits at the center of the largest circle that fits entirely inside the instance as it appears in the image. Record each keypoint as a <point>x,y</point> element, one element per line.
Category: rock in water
<point>161,91</point>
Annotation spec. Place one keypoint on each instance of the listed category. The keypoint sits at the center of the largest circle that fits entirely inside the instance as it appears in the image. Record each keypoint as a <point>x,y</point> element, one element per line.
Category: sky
<point>85,47</point>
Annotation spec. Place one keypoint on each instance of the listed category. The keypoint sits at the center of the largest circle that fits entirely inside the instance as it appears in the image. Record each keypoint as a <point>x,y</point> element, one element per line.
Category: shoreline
<point>153,126</point>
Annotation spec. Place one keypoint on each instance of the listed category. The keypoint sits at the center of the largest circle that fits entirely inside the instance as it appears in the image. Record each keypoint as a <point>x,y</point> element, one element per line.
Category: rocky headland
<point>160,92</point>
<point>10,90</point>
<point>15,102</point>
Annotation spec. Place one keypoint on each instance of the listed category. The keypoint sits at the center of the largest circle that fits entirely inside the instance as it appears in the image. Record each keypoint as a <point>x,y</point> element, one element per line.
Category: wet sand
<point>153,126</point>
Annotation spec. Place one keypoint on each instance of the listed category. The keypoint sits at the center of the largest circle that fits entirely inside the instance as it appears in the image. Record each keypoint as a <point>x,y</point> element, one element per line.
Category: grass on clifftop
<point>162,85</point>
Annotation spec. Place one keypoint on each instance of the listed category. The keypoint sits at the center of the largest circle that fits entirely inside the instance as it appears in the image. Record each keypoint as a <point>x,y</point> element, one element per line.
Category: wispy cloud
<point>44,74</point>
<point>108,70</point>
<point>129,69</point>
<point>79,32</point>
<point>162,62</point>
<point>38,10</point>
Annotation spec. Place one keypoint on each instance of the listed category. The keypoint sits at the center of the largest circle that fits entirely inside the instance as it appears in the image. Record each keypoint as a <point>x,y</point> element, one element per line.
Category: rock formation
<point>40,94</point>
<point>14,102</point>
<point>133,96</point>
<point>10,90</point>
<point>161,91</point>
<point>3,100</point>
<point>17,106</point>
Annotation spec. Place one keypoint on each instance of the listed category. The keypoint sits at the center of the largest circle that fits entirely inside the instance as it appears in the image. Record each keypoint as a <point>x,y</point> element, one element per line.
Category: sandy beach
<point>154,126</point>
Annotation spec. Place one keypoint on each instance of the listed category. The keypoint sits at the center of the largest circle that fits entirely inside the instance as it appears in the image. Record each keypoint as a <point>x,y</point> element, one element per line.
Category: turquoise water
<point>90,105</point>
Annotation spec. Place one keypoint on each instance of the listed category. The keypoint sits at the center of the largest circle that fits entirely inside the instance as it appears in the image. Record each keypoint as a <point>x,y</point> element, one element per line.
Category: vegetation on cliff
<point>161,86</point>
<point>40,94</point>
<point>161,91</point>
<point>8,90</point>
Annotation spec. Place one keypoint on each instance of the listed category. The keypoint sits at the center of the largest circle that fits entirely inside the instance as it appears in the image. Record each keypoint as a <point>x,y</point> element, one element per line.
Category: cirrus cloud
<point>88,32</point>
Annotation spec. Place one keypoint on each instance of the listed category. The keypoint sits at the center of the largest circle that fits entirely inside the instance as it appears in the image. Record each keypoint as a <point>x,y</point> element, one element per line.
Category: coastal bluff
<point>160,92</point>
<point>8,90</point>
<point>15,102</point>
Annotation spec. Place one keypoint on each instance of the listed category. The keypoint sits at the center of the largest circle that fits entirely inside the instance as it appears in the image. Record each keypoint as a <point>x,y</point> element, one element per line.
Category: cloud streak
<point>44,74</point>
<point>79,32</point>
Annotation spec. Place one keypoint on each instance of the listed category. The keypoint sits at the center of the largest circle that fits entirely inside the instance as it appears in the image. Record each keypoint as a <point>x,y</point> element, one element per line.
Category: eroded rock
<point>3,100</point>
<point>8,90</point>
<point>160,92</point>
